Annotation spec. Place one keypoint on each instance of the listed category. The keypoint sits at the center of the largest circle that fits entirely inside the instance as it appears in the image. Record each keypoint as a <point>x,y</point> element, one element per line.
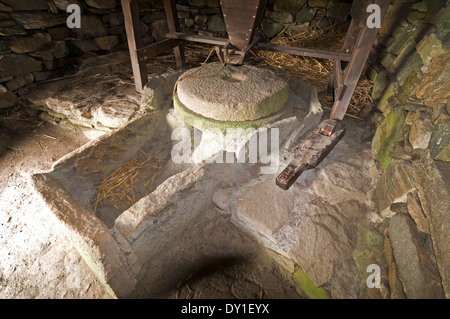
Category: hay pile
<point>126,185</point>
<point>314,71</point>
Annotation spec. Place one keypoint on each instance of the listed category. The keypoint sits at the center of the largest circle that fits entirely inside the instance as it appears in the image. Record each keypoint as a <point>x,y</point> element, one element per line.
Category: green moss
<point>308,286</point>
<point>388,132</point>
<point>190,117</point>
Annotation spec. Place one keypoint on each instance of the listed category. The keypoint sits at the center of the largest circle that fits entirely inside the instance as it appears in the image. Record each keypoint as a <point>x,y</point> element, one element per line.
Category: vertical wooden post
<point>174,26</point>
<point>353,71</point>
<point>134,36</point>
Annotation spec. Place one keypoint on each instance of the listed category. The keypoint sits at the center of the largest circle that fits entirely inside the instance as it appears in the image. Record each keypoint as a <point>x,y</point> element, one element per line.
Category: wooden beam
<point>354,69</point>
<point>304,52</point>
<point>135,42</point>
<point>156,49</point>
<point>197,38</point>
<point>174,26</point>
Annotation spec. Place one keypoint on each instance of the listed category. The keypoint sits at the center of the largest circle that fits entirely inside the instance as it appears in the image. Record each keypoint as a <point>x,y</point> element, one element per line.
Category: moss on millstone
<point>190,117</point>
<point>308,286</point>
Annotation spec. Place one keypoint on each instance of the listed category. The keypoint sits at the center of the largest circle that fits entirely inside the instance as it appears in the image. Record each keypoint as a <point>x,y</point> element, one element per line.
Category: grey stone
<point>46,55</point>
<point>440,141</point>
<point>85,45</point>
<point>416,212</point>
<point>394,185</point>
<point>14,64</point>
<point>91,27</point>
<point>37,41</point>
<point>435,201</point>
<point>20,81</point>
<point>200,19</point>
<point>197,3</point>
<point>429,47</point>
<point>213,3</point>
<point>443,23</point>
<point>305,15</point>
<point>159,29</point>
<point>60,49</point>
<point>243,102</point>
<point>108,42</point>
<point>16,30</point>
<point>318,3</point>
<point>63,4</point>
<point>6,21</point>
<point>26,5</point>
<point>217,24</point>
<point>7,100</point>
<point>281,17</point>
<point>379,84</point>
<point>417,272</point>
<point>209,11</point>
<point>435,85</point>
<point>102,4</point>
<point>421,129</point>
<point>271,29</point>
<point>39,20</point>
<point>5,8</point>
<point>291,6</point>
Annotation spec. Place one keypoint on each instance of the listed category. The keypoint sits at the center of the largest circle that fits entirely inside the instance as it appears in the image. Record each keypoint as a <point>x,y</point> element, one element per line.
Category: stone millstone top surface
<point>236,93</point>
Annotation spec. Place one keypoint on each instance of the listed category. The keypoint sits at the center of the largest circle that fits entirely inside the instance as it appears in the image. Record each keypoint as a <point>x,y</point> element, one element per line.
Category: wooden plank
<point>355,67</point>
<point>135,42</point>
<point>197,38</point>
<point>358,11</point>
<point>174,26</point>
<point>311,151</point>
<point>156,49</point>
<point>304,52</point>
<point>338,82</point>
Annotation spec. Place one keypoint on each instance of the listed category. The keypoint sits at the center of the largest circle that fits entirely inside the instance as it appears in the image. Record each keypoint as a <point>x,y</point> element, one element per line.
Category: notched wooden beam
<point>311,151</point>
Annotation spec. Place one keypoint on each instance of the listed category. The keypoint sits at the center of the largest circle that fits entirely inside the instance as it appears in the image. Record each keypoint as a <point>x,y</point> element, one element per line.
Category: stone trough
<point>132,250</point>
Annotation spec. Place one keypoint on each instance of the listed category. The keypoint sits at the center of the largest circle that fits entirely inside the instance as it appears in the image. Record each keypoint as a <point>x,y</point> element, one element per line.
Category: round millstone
<point>235,94</point>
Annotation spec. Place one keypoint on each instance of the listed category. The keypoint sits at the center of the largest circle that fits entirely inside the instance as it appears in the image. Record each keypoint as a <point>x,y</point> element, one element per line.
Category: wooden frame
<point>354,52</point>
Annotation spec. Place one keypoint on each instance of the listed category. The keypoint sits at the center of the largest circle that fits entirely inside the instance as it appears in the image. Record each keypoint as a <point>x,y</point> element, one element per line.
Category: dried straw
<point>120,188</point>
<point>314,71</point>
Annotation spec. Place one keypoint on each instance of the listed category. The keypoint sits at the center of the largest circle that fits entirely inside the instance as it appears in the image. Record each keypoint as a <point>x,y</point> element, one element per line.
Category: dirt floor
<point>38,261</point>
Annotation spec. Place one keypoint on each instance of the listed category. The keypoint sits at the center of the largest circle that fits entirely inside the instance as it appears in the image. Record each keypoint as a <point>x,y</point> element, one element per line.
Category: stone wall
<point>411,73</point>
<point>205,16</point>
<point>36,44</point>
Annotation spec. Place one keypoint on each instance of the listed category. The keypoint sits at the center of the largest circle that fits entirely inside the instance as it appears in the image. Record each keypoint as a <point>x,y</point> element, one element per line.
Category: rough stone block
<point>14,64</point>
<point>421,129</point>
<point>291,6</point>
<point>416,270</point>
<point>440,141</point>
<point>37,41</point>
<point>435,85</point>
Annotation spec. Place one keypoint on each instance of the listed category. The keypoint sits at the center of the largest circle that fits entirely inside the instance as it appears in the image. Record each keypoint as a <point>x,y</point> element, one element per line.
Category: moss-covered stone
<point>190,118</point>
<point>388,132</point>
<point>389,92</point>
<point>308,286</point>
<point>380,82</point>
<point>440,141</point>
<point>409,86</point>
<point>369,250</point>
<point>429,47</point>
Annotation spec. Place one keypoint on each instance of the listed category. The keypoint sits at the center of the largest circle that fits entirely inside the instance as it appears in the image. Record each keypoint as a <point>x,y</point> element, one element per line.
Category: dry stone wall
<point>37,45</point>
<point>411,73</point>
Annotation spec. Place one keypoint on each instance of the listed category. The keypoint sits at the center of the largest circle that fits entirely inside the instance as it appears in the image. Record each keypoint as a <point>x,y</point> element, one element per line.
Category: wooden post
<point>360,53</point>
<point>174,26</point>
<point>135,42</point>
